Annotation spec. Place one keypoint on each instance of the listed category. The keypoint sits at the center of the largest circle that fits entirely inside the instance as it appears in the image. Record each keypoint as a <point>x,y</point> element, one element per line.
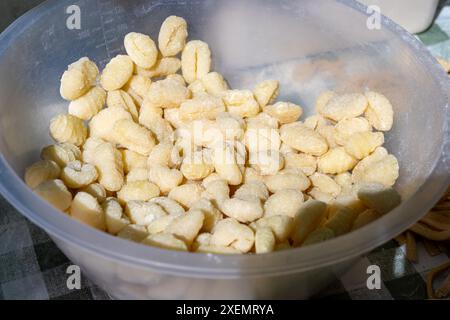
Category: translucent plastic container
<point>309,45</point>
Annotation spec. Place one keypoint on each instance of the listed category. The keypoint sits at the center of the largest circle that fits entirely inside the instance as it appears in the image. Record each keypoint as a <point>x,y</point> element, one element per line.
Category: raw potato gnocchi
<point>86,209</point>
<point>137,191</point>
<point>195,60</point>
<point>117,73</point>
<point>41,171</point>
<point>101,126</point>
<point>214,83</point>
<point>78,79</point>
<point>121,99</point>
<point>61,153</point>
<point>284,112</point>
<point>163,67</point>
<point>303,139</point>
<point>266,92</point>
<point>379,113</point>
<point>160,150</point>
<point>141,49</point>
<point>77,175</point>
<point>168,93</point>
<point>241,103</point>
<point>88,105</point>
<point>285,202</point>
<point>109,163</point>
<point>344,106</point>
<point>336,161</point>
<point>66,128</point>
<point>172,36</point>
<point>132,136</point>
<point>56,193</point>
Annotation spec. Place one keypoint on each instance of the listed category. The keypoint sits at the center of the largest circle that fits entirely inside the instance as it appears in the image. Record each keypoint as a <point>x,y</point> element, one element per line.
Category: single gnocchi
<point>77,175</point>
<point>267,163</point>
<point>86,209</point>
<point>307,220</point>
<point>325,184</point>
<point>336,161</point>
<point>165,178</point>
<point>241,103</point>
<point>137,87</point>
<point>195,60</point>
<point>88,105</point>
<point>101,125</point>
<point>55,192</point>
<point>96,190</point>
<point>115,219</point>
<point>186,227</point>
<point>213,83</point>
<point>323,99</point>
<point>172,36</point>
<point>302,161</point>
<point>379,113</point>
<point>379,167</point>
<point>266,92</point>
<point>78,79</point>
<point>361,144</point>
<point>186,194</point>
<point>345,106</point>
<point>141,49</point>
<point>252,189</point>
<point>117,73</point>
<point>264,240</point>
<point>138,191</point>
<point>167,93</point>
<point>165,241</point>
<point>287,179</point>
<point>41,171</point>
<point>284,112</point>
<point>243,210</point>
<point>230,233</point>
<point>133,136</point>
<point>133,160</point>
<point>347,127</point>
<point>197,167</point>
<point>143,213</point>
<point>285,202</point>
<point>226,165</point>
<point>201,107</point>
<point>121,99</point>
<point>66,128</point>
<point>109,163</point>
<point>61,153</point>
<point>212,215</point>
<point>303,139</point>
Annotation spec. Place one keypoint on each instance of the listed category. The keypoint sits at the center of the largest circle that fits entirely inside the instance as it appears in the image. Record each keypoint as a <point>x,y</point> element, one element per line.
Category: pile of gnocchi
<point>178,160</point>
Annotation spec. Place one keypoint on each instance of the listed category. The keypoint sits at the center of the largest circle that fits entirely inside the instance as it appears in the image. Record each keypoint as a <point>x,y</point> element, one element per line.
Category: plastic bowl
<point>310,47</point>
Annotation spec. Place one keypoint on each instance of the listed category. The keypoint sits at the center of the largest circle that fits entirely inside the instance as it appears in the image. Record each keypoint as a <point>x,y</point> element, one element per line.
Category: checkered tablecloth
<point>32,267</point>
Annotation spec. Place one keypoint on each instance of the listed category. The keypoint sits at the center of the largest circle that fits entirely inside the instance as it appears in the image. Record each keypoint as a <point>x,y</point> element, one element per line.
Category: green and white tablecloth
<point>32,267</point>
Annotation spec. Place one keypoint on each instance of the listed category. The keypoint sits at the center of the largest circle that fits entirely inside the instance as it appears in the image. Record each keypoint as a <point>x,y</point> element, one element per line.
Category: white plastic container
<point>413,15</point>
<point>249,39</point>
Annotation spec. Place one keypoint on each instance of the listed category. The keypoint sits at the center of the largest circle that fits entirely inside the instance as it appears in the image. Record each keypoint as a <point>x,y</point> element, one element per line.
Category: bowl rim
<point>75,234</point>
